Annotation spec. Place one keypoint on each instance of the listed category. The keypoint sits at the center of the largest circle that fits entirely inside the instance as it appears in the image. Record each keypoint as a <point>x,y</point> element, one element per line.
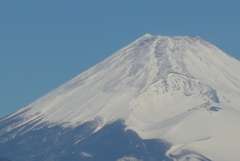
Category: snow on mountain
<point>180,89</point>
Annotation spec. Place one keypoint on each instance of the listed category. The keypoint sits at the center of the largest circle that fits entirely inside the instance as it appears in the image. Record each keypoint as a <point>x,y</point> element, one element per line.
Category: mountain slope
<point>180,89</point>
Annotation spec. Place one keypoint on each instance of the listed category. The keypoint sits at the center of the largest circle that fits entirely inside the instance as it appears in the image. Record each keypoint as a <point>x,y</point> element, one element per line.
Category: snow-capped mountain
<point>182,91</point>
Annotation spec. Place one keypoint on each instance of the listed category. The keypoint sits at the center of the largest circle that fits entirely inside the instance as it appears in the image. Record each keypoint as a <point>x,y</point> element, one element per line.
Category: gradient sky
<point>45,43</point>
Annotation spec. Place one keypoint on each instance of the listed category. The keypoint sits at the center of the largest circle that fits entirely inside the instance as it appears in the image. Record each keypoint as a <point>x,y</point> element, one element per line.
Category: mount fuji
<point>159,98</point>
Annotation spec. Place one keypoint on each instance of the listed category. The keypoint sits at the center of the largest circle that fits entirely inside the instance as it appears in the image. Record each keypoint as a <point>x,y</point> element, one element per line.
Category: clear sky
<point>45,43</point>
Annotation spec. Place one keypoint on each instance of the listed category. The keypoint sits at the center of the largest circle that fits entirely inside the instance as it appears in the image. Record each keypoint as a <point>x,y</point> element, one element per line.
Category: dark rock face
<point>56,143</point>
<point>188,155</point>
<point>213,108</point>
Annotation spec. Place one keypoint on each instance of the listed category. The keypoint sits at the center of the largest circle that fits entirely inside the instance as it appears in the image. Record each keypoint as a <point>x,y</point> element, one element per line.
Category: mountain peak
<point>147,35</point>
<point>158,85</point>
<point>114,82</point>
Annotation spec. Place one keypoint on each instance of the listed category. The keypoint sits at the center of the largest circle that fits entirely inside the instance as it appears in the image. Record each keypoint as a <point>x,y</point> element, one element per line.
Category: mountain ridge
<point>137,65</point>
<point>178,89</point>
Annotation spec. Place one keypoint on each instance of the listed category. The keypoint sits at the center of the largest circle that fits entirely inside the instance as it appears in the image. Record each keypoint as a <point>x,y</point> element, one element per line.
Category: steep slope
<point>180,89</point>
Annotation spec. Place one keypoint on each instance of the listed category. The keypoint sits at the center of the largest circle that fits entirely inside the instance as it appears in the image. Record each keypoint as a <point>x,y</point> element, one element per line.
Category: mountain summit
<point>182,91</point>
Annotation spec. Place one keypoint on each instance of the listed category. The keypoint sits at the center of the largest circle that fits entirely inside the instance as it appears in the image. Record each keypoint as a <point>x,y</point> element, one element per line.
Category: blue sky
<point>43,43</point>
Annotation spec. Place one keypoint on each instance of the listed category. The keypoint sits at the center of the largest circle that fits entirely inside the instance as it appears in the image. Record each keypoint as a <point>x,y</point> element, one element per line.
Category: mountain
<point>159,98</point>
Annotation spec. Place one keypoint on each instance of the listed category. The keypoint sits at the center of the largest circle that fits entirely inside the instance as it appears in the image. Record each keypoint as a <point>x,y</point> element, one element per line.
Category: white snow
<point>163,87</point>
<point>86,154</point>
<point>128,159</point>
